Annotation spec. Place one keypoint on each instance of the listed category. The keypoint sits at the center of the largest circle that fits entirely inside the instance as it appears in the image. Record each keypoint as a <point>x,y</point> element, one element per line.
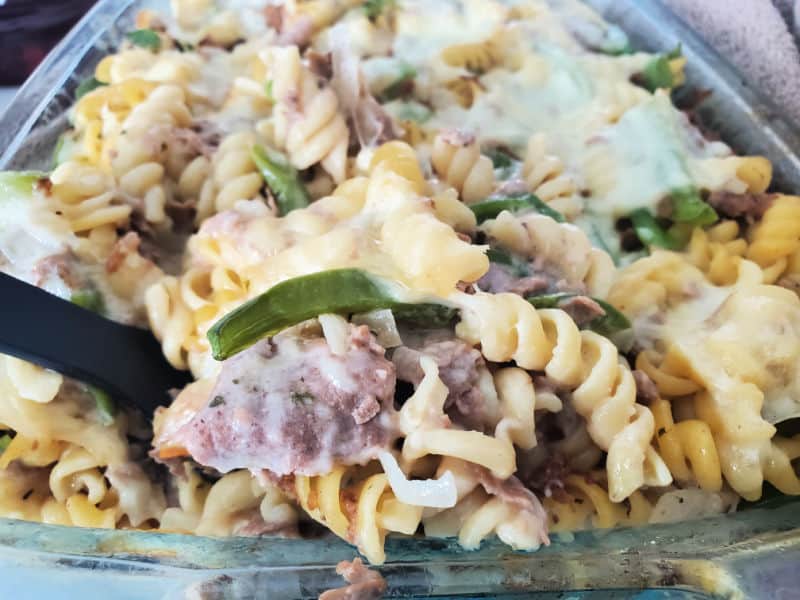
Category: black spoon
<point>125,361</point>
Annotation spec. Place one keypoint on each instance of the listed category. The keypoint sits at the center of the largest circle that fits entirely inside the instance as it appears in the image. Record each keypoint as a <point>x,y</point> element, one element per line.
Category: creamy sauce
<point>742,334</point>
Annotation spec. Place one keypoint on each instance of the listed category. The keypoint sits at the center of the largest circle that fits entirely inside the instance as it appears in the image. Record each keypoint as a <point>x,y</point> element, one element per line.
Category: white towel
<point>758,38</point>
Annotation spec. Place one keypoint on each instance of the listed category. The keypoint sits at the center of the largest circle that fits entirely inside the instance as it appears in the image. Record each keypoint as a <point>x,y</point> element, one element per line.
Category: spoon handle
<point>44,329</point>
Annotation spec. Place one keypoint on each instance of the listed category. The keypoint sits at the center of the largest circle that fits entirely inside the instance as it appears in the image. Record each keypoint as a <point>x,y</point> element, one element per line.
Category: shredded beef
<point>127,244</point>
<point>63,265</point>
<point>548,477</point>
<point>458,137</point>
<point>500,278</point>
<point>582,309</point>
<point>274,15</point>
<point>750,206</point>
<point>513,187</point>
<point>320,64</point>
<point>297,32</point>
<point>288,404</point>
<point>364,584</point>
<point>459,369</point>
<point>646,390</point>
<point>513,493</point>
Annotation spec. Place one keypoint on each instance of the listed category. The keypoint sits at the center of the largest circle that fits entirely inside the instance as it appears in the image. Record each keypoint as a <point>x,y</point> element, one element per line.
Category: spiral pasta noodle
<point>777,236</point>
<point>687,441</point>
<point>544,172</point>
<point>307,119</point>
<point>82,196</point>
<point>456,157</point>
<point>481,513</point>
<point>476,57</point>
<point>236,504</point>
<point>562,247</point>
<point>587,505</point>
<point>375,512</point>
<point>509,328</point>
<point>234,177</point>
<point>207,174</point>
<point>718,251</point>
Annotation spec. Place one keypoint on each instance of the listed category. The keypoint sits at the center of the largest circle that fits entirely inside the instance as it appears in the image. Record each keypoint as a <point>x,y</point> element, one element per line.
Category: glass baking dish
<point>753,553</point>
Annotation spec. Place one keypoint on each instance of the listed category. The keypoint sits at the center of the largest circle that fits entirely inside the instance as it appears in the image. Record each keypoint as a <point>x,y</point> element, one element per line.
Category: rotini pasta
<point>509,328</point>
<point>458,161</point>
<point>544,173</point>
<point>341,218</point>
<point>307,119</point>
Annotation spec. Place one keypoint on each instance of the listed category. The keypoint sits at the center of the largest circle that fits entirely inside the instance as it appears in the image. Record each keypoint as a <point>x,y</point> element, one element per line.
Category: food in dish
<point>447,269</point>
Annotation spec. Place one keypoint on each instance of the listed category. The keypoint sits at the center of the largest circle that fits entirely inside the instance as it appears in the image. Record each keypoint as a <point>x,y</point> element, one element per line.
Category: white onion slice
<point>434,493</point>
<point>382,324</point>
<point>334,328</point>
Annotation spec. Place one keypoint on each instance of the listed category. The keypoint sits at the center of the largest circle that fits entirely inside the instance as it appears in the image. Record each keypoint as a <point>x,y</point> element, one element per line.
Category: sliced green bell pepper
<point>608,324</point>
<point>281,177</point>
<point>491,207</point>
<point>104,404</point>
<point>342,291</point>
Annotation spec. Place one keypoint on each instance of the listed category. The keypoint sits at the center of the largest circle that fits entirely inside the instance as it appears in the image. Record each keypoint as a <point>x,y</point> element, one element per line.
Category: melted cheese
<point>737,335</point>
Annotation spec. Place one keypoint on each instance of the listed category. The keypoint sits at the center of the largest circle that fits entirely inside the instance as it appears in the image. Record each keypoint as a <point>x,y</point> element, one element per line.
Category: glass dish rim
<point>57,72</point>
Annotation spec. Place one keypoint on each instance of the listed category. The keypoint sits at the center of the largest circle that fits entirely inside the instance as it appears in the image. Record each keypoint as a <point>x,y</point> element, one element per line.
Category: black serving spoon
<point>125,361</point>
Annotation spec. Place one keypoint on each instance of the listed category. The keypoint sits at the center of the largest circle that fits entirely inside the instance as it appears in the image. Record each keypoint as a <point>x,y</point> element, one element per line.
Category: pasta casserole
<point>453,269</point>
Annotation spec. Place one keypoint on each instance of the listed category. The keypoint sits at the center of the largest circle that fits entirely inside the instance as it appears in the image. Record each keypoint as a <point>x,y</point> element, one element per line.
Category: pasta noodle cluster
<point>456,269</point>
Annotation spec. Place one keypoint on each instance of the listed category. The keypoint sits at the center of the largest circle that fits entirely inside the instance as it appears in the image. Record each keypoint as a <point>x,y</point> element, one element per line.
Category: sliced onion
<point>434,493</point>
<point>335,330</point>
<point>346,79</point>
<point>382,324</point>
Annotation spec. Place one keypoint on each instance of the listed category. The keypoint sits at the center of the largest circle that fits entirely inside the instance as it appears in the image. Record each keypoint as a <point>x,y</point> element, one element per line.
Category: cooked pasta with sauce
<point>447,269</point>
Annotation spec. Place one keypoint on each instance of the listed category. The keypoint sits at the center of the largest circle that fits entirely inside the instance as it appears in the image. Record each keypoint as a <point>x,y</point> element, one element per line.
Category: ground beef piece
<point>203,137</point>
<point>513,187</point>
<point>750,206</point>
<point>63,266</point>
<point>251,523</point>
<point>459,369</point>
<point>319,63</point>
<point>582,309</point>
<point>499,278</point>
<point>513,493</point>
<point>548,477</point>
<point>646,390</point>
<point>297,32</point>
<point>274,15</point>
<point>288,404</point>
<point>364,584</point>
<point>127,244</point>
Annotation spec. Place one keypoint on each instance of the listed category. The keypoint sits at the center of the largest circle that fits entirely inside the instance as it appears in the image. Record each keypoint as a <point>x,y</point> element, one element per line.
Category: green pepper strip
<point>650,232</point>
<point>342,291</point>
<point>104,404</point>
<point>491,207</point>
<point>689,207</point>
<point>5,440</point>
<point>86,86</point>
<point>607,324</point>
<point>19,183</point>
<point>400,86</point>
<point>500,160</point>
<point>518,266</point>
<point>145,38</point>
<point>657,73</point>
<point>90,300</point>
<point>281,178</point>
<point>374,8</point>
